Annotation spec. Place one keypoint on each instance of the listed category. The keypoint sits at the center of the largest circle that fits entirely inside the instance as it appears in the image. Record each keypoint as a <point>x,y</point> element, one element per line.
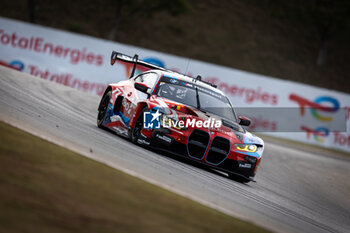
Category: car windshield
<point>196,96</point>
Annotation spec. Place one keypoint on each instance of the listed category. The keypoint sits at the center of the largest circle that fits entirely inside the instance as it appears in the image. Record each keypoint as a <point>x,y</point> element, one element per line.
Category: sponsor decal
<point>317,106</point>
<point>319,134</point>
<point>341,139</point>
<point>144,142</point>
<point>245,165</point>
<point>120,131</point>
<point>117,92</point>
<point>173,81</point>
<point>321,109</point>
<point>163,138</point>
<point>263,124</point>
<point>115,118</point>
<point>15,64</point>
<point>68,79</point>
<point>40,45</point>
<point>186,84</point>
<point>249,95</point>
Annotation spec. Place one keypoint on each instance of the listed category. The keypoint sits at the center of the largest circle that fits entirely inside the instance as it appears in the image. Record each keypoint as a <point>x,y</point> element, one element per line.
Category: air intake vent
<point>197,143</point>
<point>218,151</point>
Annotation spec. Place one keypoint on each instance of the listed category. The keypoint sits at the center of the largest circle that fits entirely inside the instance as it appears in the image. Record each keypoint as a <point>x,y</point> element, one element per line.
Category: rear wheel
<point>102,109</point>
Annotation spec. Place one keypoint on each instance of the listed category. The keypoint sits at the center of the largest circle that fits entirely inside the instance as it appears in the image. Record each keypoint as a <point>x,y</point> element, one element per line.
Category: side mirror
<point>141,87</point>
<point>244,121</point>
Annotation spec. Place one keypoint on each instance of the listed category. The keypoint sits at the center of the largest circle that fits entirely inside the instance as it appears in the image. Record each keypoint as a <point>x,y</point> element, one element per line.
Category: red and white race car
<point>183,115</point>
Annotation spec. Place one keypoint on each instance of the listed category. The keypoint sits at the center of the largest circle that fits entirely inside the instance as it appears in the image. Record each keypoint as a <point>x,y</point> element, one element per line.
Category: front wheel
<point>102,109</point>
<point>135,132</point>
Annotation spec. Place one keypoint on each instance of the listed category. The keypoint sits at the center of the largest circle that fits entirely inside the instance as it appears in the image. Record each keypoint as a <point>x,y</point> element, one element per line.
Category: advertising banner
<point>277,107</point>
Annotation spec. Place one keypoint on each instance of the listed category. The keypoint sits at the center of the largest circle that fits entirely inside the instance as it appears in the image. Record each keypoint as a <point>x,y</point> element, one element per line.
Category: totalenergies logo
<point>139,69</point>
<point>318,134</point>
<point>15,64</point>
<point>317,106</point>
<point>319,109</point>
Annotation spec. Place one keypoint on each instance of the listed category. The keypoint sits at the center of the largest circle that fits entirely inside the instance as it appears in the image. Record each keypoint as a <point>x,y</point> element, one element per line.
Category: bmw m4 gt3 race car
<point>183,115</point>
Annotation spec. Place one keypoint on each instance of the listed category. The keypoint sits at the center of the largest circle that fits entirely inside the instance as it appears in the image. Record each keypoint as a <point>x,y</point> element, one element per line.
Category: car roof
<point>188,79</point>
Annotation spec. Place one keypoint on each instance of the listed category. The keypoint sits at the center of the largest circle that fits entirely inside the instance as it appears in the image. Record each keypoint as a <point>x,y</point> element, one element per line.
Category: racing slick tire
<point>102,109</point>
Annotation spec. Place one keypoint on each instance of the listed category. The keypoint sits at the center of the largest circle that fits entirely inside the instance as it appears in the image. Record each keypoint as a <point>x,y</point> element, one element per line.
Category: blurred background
<point>303,180</point>
<point>303,41</point>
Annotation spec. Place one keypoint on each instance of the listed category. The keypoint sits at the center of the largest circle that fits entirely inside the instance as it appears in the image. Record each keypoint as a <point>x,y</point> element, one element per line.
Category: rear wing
<point>135,61</point>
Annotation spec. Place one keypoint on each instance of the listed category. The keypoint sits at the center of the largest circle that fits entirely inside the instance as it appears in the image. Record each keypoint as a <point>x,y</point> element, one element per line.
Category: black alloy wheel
<point>102,109</point>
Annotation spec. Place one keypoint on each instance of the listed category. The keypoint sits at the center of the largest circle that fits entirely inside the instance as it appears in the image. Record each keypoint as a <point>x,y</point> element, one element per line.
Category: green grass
<point>46,188</point>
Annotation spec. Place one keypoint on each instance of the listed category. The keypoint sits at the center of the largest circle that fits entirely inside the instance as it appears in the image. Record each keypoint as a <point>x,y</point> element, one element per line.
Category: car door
<point>133,96</point>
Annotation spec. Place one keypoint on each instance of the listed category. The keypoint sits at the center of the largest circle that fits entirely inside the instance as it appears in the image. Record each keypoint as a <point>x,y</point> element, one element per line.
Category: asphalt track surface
<point>296,191</point>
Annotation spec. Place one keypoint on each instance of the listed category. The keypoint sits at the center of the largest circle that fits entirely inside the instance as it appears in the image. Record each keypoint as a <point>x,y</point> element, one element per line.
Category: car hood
<point>179,111</point>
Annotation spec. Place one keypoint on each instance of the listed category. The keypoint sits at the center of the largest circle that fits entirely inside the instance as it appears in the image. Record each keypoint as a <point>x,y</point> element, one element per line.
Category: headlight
<point>246,147</point>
